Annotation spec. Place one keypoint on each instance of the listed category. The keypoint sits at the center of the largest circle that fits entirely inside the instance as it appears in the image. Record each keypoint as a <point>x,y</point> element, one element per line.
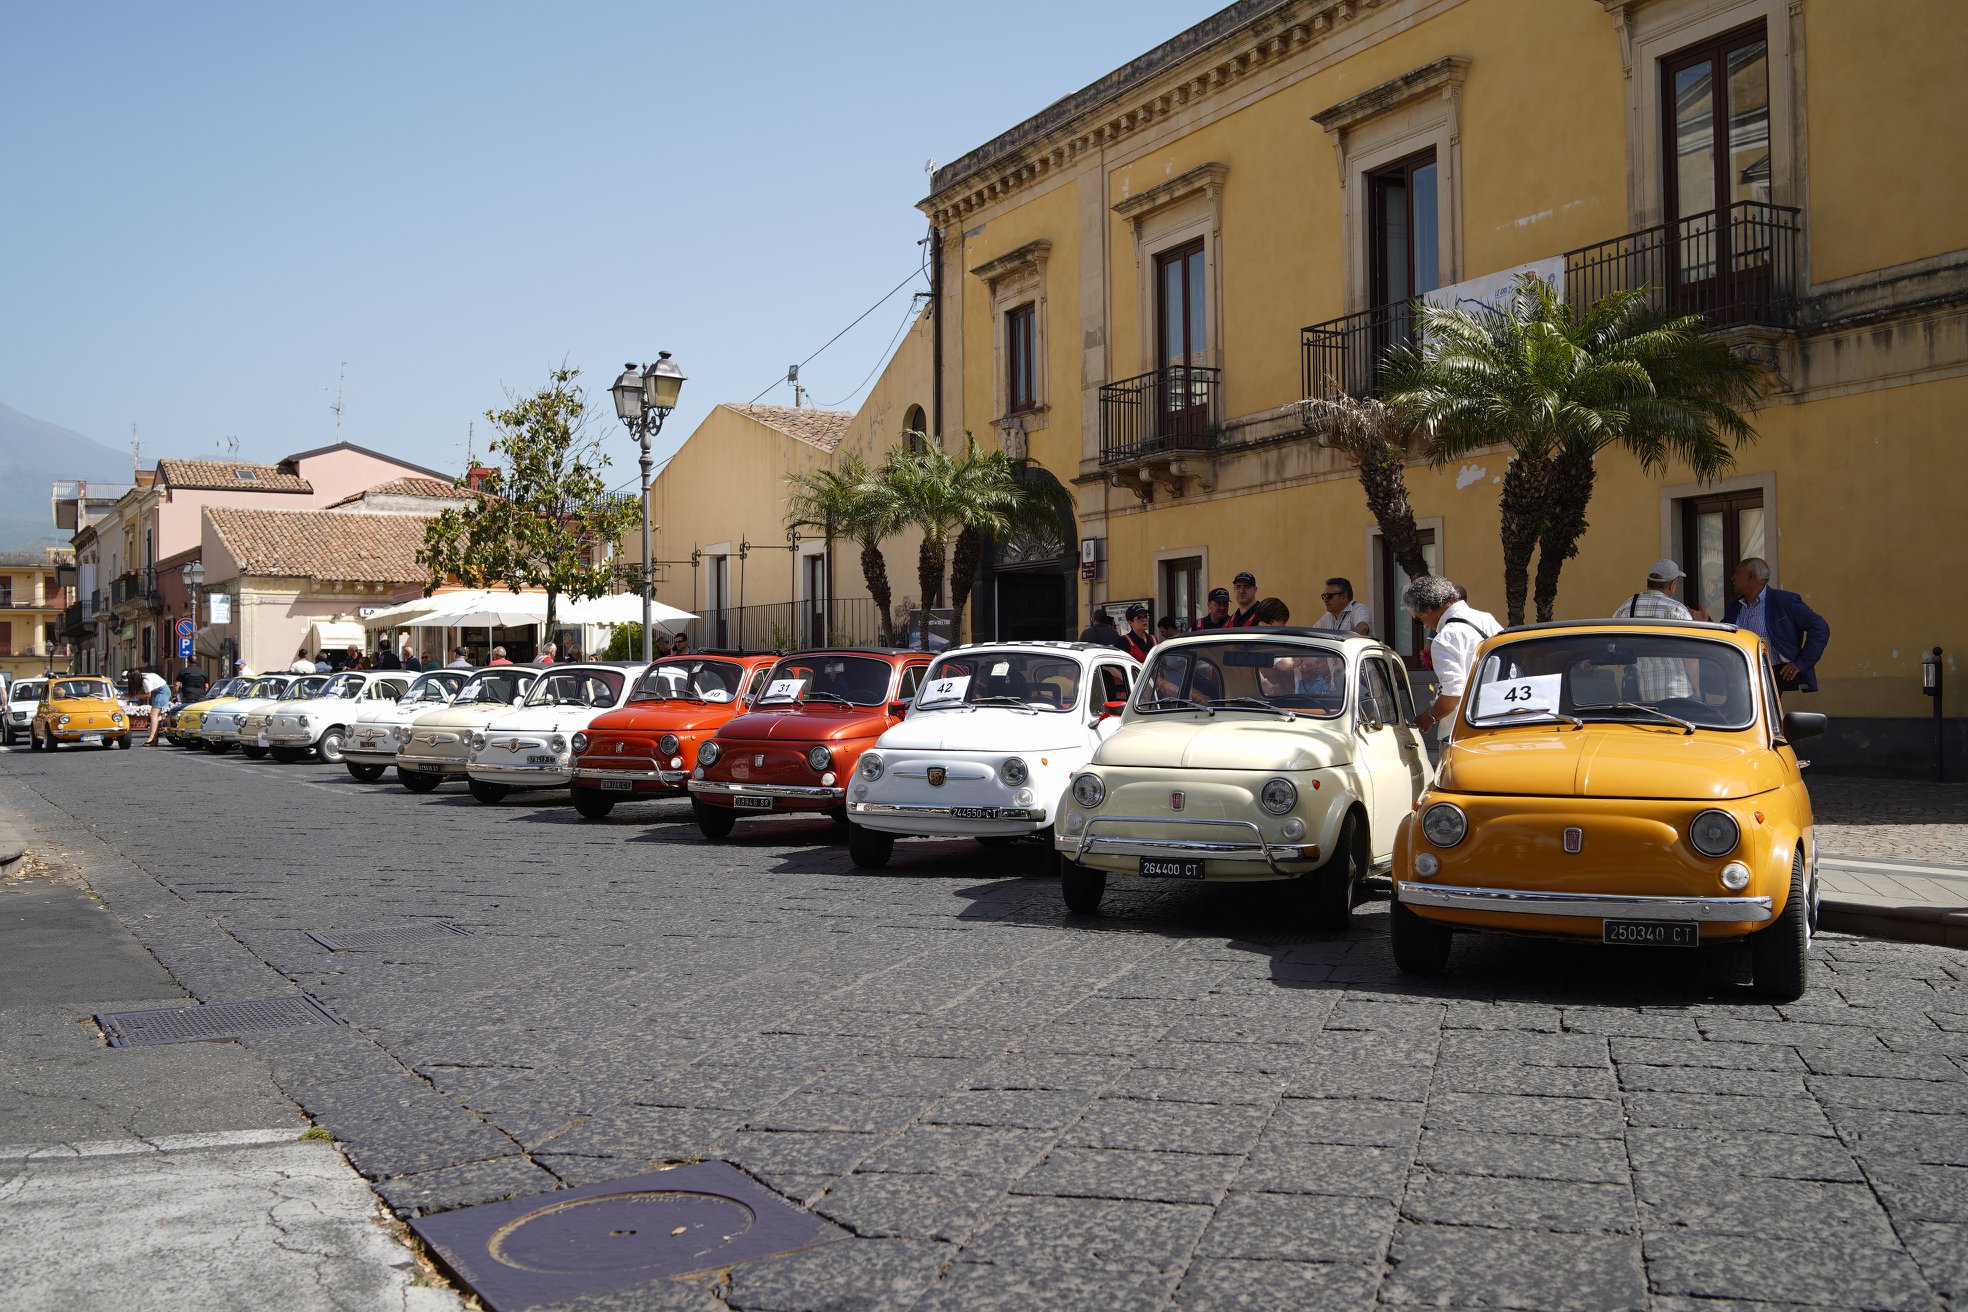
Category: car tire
<point>285,755</point>
<point>418,783</point>
<point>1082,887</point>
<point>218,749</point>
<point>329,749</point>
<point>592,805</point>
<point>868,848</point>
<point>713,822</point>
<point>254,752</point>
<point>1039,862</point>
<point>487,793</point>
<point>1421,947</point>
<point>839,816</point>
<point>1780,953</point>
<point>6,737</point>
<point>33,740</point>
<point>124,742</point>
<point>368,774</point>
<point>1326,896</point>
<point>50,742</point>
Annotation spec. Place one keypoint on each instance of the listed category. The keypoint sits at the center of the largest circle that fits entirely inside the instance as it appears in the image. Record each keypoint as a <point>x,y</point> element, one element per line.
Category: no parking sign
<point>184,627</point>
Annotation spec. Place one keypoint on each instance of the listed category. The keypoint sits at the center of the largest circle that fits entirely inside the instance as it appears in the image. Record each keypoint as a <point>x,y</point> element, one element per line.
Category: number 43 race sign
<point>1537,692</point>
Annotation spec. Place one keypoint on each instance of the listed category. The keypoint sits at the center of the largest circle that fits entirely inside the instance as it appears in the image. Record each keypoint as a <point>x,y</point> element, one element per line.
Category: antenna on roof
<point>793,377</point>
<point>471,444</point>
<point>136,450</point>
<point>228,444</point>
<point>341,385</point>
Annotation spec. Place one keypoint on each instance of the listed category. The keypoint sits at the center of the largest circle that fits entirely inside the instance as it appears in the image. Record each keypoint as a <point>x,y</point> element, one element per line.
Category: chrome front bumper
<point>539,776</point>
<point>1035,814</point>
<point>670,778</point>
<point>1524,902</point>
<point>286,738</point>
<point>1079,847</point>
<point>801,792</point>
<point>447,765</point>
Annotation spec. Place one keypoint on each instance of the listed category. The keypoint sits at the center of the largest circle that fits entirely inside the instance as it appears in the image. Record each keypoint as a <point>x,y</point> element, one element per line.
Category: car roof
<point>1044,644</point>
<point>1624,622</point>
<point>859,651</point>
<point>1274,631</point>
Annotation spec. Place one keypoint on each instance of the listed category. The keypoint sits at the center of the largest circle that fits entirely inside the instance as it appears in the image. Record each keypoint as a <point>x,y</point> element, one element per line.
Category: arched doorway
<point>915,430</point>
<point>1028,588</point>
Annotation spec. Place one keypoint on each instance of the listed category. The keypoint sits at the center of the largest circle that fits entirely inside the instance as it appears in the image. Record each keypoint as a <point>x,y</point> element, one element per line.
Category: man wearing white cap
<point>1661,677</point>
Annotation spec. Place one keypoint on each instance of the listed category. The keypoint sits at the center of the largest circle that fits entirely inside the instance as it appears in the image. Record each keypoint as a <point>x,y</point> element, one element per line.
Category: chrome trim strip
<point>1036,814</point>
<point>767,790</point>
<point>949,772</point>
<point>537,773</point>
<point>1261,850</point>
<point>1603,906</point>
<point>646,776</point>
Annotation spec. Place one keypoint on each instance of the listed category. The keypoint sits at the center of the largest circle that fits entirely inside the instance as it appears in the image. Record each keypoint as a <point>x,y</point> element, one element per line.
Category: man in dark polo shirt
<point>1219,610</point>
<point>1245,616</point>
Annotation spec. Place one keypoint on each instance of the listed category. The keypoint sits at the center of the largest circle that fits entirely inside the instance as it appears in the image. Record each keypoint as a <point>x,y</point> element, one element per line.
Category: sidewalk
<point>1893,858</point>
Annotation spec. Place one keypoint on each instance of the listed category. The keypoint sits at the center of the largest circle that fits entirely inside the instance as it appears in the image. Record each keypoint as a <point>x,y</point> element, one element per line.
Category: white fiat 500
<point>1251,754</point>
<point>995,732</point>
<point>370,747</point>
<point>21,699</point>
<point>220,730</point>
<point>321,723</point>
<point>534,745</point>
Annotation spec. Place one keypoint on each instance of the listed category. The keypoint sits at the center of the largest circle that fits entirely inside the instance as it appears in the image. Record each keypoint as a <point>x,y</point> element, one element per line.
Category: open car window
<point>852,680</point>
<point>1644,678</point>
<point>1040,681</point>
<point>1305,678</point>
<point>687,678</point>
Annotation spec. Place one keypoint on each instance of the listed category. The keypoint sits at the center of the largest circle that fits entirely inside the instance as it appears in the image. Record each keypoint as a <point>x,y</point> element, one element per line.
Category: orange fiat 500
<point>1628,782</point>
<point>647,749</point>
<point>797,748</point>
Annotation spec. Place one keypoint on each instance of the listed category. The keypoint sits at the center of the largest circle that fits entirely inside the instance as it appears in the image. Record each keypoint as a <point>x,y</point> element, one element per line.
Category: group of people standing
<point>1342,613</point>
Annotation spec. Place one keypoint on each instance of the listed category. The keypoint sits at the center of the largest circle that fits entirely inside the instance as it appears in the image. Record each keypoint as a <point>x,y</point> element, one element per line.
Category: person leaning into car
<point>1457,629</point>
<point>1796,634</point>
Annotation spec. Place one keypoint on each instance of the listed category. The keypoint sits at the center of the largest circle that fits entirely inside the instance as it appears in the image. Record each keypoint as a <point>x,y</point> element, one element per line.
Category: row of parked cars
<point>1627,782</point>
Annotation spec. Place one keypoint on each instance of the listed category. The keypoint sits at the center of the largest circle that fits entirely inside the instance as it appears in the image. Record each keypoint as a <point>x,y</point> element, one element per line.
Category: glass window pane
<point>1710,568</point>
<point>1198,333</point>
<point>1749,122</point>
<point>1427,242</point>
<point>1694,139</point>
<point>1172,312</point>
<point>1749,532</point>
<point>1394,240</point>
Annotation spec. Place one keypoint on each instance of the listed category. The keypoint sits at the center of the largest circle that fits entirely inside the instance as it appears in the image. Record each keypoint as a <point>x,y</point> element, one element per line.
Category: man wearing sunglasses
<point>1343,614</point>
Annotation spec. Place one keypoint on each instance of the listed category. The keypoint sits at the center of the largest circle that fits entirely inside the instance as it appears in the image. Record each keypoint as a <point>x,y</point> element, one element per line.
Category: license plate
<point>1155,867</point>
<point>261,740</point>
<point>540,760</point>
<point>414,765</point>
<point>744,803</point>
<point>91,738</point>
<point>618,785</point>
<point>1652,933</point>
<point>974,812</point>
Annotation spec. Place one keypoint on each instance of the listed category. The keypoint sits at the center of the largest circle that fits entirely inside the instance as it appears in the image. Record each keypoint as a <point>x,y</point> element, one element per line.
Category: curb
<point>13,845</point>
<point>1941,926</point>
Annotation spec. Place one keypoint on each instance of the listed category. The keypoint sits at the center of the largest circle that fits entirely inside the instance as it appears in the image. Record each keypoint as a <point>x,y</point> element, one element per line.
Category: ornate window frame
<point>1417,111</point>
<point>1011,280</point>
<point>1171,214</point>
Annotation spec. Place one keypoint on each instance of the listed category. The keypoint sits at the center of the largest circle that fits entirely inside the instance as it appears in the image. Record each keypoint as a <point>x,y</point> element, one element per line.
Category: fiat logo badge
<point>1574,840</point>
<point>759,759</point>
<point>619,749</point>
<point>936,776</point>
<point>1175,801</point>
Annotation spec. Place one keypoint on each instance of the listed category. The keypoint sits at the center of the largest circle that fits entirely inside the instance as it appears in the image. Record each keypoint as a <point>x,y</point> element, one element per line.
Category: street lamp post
<point>193,574</point>
<point>644,397</point>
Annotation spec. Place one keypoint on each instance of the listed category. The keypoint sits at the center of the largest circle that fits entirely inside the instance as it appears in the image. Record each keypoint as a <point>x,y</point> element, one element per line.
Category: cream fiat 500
<point>433,747</point>
<point>1250,754</point>
<point>321,723</point>
<point>370,747</point>
<point>533,746</point>
<point>996,731</point>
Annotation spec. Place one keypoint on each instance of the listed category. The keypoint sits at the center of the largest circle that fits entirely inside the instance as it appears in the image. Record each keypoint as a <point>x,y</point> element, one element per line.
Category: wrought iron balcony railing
<point>1734,266</point>
<point>1166,411</point>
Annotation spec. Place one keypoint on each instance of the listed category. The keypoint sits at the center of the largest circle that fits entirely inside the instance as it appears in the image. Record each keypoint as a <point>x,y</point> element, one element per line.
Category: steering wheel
<point>1692,709</point>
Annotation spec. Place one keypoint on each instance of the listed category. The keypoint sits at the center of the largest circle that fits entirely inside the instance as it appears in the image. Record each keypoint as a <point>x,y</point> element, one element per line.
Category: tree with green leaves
<point>1558,388</point>
<point>1374,437</point>
<point>849,500</point>
<point>544,517</point>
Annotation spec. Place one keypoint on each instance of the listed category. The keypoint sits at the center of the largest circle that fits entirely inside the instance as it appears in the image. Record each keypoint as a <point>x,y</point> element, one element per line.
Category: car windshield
<point>431,689</point>
<point>27,690</point>
<point>68,689</point>
<point>1040,681</point>
<point>343,686</point>
<point>265,688</point>
<point>576,687</point>
<point>690,679</point>
<point>225,688</point>
<point>1652,678</point>
<point>850,680</point>
<point>302,689</point>
<point>497,687</point>
<point>1283,674</point>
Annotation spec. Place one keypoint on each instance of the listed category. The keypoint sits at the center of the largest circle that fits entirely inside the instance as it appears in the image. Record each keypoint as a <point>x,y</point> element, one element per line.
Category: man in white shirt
<point>303,664</point>
<point>1343,614</point>
<point>1458,628</point>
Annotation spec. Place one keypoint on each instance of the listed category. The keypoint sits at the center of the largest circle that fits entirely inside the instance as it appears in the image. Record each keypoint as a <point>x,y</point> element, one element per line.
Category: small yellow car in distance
<point>1628,782</point>
<point>78,709</point>
<point>183,728</point>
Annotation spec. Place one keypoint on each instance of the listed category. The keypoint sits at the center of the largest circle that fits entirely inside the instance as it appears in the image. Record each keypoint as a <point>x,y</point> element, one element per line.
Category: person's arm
<point>1817,636</point>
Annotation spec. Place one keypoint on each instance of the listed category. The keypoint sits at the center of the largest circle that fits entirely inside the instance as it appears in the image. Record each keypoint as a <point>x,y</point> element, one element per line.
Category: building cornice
<point>1033,254</point>
<point>1204,177</point>
<point>1200,65</point>
<point>1448,71</point>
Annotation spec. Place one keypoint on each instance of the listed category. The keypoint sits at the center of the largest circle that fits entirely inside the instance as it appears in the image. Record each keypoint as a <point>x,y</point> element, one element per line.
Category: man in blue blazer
<point>1797,634</point>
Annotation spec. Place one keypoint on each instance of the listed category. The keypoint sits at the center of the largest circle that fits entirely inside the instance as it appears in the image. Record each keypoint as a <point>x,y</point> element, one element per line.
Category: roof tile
<point>821,428</point>
<point>322,544</point>
<point>230,476</point>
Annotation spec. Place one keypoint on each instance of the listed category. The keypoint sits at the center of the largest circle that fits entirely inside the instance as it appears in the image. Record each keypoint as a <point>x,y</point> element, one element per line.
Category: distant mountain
<point>33,454</point>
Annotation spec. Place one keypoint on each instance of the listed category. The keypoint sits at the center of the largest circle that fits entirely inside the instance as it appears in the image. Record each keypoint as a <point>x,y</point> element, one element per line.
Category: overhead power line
<point>913,275</point>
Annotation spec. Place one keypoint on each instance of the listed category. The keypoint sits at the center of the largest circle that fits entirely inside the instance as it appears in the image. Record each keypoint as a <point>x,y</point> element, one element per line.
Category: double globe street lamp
<point>644,397</point>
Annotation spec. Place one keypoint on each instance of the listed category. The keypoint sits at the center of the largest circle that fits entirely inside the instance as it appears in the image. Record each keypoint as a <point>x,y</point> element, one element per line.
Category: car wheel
<point>1082,886</point>
<point>329,748</point>
<point>6,737</point>
<point>1039,861</point>
<point>285,755</point>
<point>838,815</point>
<point>714,822</point>
<point>33,740</point>
<point>416,782</point>
<point>218,749</point>
<point>51,742</point>
<point>124,742</point>
<point>1779,954</point>
<point>253,752</point>
<point>486,793</point>
<point>1421,947</point>
<point>1326,895</point>
<point>869,848</point>
<point>368,774</point>
<point>592,805</point>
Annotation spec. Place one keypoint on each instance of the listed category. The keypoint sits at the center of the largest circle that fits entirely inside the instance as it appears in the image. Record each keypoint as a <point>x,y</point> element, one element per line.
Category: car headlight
<point>818,759</point>
<point>1278,796</point>
<point>666,745</point>
<point>558,742</point>
<point>1714,833</point>
<point>580,743</point>
<point>1088,791</point>
<point>709,753</point>
<point>871,766</point>
<point>303,721</point>
<point>116,717</point>
<point>62,721</point>
<point>1444,824</point>
<point>1015,772</point>
<point>401,733</point>
<point>478,742</point>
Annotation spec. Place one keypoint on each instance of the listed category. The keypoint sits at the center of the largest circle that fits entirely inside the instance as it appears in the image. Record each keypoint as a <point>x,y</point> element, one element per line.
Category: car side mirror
<point>898,709</point>
<point>1803,724</point>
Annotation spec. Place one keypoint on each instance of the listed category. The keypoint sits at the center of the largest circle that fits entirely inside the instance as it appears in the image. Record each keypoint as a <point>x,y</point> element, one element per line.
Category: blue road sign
<point>184,648</point>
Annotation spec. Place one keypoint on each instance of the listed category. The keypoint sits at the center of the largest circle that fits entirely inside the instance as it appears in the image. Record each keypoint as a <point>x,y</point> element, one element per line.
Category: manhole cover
<point>220,1020</point>
<point>350,940</point>
<point>608,1236</point>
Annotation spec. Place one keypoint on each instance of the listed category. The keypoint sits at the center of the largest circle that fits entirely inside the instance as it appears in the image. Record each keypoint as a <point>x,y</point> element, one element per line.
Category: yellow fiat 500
<point>78,710</point>
<point>1628,782</point>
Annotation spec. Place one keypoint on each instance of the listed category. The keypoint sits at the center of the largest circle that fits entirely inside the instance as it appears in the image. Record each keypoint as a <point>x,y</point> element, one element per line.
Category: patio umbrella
<point>391,617</point>
<point>622,608</point>
<point>482,610</point>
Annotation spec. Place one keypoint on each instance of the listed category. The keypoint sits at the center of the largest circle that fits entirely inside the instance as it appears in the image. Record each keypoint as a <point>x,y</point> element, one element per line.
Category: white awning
<point>337,635</point>
<point>211,640</point>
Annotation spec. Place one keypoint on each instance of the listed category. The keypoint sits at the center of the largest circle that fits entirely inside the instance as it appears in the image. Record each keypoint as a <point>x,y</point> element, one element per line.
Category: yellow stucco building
<point>1139,288</point>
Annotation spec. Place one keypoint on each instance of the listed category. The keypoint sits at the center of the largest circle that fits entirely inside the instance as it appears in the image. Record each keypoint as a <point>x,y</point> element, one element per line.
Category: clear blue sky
<point>211,207</point>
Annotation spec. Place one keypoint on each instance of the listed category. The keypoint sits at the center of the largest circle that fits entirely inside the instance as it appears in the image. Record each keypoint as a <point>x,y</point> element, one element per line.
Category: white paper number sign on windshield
<point>783,690</point>
<point>937,691</point>
<point>1517,697</point>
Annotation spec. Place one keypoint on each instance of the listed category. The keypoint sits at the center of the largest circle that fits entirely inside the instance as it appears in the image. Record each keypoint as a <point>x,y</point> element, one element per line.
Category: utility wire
<point>908,313</point>
<point>913,275</point>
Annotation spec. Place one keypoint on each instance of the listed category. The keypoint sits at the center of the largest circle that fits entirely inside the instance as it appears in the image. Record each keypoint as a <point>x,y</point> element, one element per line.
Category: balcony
<point>1736,267</point>
<point>1161,428</point>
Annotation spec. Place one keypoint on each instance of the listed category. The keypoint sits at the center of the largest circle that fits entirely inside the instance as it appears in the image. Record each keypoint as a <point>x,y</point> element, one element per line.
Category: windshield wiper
<point>1572,720</point>
<point>1160,702</point>
<point>1003,699</point>
<point>1686,725</point>
<point>827,696</point>
<point>1257,704</point>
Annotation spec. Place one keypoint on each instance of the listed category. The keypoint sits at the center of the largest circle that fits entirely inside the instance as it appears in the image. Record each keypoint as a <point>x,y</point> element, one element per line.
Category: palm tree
<point>1375,438</point>
<point>1558,388</point>
<point>850,500</point>
<point>922,489</point>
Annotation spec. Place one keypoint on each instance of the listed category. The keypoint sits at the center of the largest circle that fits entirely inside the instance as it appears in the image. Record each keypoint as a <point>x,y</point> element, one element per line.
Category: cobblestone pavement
<point>1180,1104</point>
<point>1891,820</point>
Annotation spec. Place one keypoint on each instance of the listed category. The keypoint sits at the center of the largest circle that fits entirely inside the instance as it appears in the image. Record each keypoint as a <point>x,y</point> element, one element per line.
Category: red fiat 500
<point>796,749</point>
<point>647,749</point>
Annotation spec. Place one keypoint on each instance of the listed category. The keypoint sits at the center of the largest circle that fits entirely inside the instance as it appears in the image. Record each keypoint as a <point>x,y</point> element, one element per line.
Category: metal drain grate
<point>350,940</point>
<point>220,1020</point>
<point>610,1236</point>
